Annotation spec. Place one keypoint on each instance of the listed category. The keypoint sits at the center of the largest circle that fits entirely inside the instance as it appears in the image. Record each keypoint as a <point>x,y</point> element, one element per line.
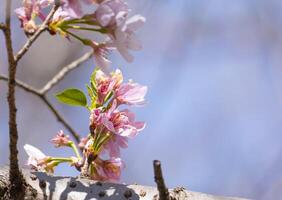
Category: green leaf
<point>73,97</point>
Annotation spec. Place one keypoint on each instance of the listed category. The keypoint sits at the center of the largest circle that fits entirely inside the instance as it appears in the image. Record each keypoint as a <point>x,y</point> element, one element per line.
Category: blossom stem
<point>110,103</point>
<point>92,170</point>
<point>84,41</point>
<point>100,30</point>
<point>95,140</point>
<point>61,159</point>
<point>101,141</point>
<point>97,137</point>
<point>81,21</point>
<point>73,146</point>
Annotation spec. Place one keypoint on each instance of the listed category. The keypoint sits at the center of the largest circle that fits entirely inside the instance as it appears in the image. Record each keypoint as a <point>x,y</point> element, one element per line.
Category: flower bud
<point>61,139</point>
<point>30,27</point>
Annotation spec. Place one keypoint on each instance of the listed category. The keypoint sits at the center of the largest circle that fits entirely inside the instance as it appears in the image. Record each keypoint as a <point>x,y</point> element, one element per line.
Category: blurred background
<point>214,112</point>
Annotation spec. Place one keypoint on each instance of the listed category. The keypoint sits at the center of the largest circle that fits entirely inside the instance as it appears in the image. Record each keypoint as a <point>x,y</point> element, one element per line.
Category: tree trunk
<point>47,187</point>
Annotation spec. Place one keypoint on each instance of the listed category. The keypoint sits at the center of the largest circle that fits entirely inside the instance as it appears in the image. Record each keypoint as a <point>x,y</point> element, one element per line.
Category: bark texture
<point>15,176</point>
<point>46,187</point>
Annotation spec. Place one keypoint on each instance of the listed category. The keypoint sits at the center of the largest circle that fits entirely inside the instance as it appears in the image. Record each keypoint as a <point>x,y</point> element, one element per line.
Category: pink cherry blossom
<point>122,122</point>
<point>106,83</point>
<point>131,94</point>
<point>114,144</point>
<point>95,119</point>
<point>30,10</point>
<point>112,169</point>
<point>112,15</point>
<point>108,170</point>
<point>61,139</point>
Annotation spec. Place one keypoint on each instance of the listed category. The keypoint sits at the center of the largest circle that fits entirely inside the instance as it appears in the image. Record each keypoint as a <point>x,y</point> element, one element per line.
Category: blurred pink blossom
<point>114,144</point>
<point>131,94</point>
<point>83,142</point>
<point>108,170</point>
<point>28,12</point>
<point>111,13</point>
<point>124,38</point>
<point>100,53</point>
<point>71,8</point>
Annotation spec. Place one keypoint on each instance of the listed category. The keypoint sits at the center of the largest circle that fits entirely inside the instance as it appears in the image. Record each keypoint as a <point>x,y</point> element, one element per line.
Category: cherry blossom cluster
<point>109,127</point>
<point>109,18</point>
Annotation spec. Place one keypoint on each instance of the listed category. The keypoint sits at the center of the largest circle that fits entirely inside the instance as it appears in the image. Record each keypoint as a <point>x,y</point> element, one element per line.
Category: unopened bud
<point>30,27</point>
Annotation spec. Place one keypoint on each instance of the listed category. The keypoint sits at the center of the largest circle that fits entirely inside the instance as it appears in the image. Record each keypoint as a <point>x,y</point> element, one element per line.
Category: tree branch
<point>32,39</point>
<point>60,118</point>
<point>41,93</point>
<point>22,85</point>
<point>64,71</point>
<point>163,191</point>
<point>37,93</point>
<point>44,186</point>
<point>17,186</point>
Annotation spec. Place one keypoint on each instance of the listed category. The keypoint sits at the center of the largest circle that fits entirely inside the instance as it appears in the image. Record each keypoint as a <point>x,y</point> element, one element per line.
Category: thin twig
<point>22,85</point>
<point>37,93</point>
<point>163,191</point>
<point>64,71</point>
<point>41,93</point>
<point>60,118</point>
<point>17,181</point>
<point>2,26</point>
<point>32,39</point>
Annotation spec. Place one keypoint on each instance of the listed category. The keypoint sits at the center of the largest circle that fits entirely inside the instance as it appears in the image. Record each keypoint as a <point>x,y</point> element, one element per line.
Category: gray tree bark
<point>42,186</point>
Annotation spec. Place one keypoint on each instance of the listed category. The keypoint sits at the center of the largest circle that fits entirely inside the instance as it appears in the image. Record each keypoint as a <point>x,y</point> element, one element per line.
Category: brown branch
<point>163,191</point>
<point>16,179</point>
<point>22,85</point>
<point>32,39</point>
<point>15,176</point>
<point>41,93</point>
<point>64,71</point>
